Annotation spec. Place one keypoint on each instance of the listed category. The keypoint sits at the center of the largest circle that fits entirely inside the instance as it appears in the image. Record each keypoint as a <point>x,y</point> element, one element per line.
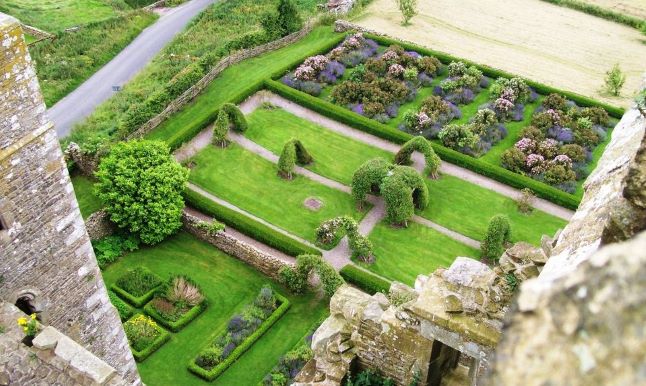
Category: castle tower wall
<point>45,253</point>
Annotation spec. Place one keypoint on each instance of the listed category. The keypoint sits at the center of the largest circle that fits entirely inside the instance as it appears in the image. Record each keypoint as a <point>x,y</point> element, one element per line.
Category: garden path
<point>418,160</point>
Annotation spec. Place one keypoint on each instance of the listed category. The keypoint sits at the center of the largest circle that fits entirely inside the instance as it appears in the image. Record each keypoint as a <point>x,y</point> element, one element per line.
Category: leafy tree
<point>615,80</point>
<point>284,21</point>
<point>220,129</point>
<point>408,9</point>
<point>237,120</point>
<point>141,186</point>
<point>498,234</point>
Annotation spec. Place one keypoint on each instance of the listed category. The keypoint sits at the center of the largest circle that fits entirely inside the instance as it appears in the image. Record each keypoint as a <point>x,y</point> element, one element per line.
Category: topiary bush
<point>141,186</point>
<point>237,120</point>
<point>296,278</point>
<point>421,144</point>
<point>293,152</point>
<point>359,244</point>
<point>368,178</point>
<point>220,129</point>
<point>498,235</point>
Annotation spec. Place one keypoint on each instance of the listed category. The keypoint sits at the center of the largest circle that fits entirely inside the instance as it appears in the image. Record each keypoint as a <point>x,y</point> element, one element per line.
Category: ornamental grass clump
<point>239,327</point>
<point>141,331</point>
<point>176,298</point>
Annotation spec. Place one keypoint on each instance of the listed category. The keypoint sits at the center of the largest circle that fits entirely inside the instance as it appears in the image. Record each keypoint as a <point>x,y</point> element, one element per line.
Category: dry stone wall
<point>98,225</point>
<point>45,253</point>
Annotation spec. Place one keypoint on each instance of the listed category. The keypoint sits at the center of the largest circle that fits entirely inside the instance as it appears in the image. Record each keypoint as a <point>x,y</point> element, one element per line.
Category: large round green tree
<point>141,185</point>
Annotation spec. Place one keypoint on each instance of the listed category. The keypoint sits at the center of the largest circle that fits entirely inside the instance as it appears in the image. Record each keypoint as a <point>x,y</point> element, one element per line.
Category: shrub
<point>498,234</point>
<point>615,80</point>
<point>138,281</point>
<point>110,248</point>
<point>360,246</point>
<point>141,186</point>
<point>368,178</point>
<point>525,201</point>
<point>365,280</point>
<point>141,331</point>
<point>458,137</point>
<point>237,119</point>
<point>369,378</point>
<point>289,365</point>
<point>284,21</point>
<point>220,129</point>
<point>293,152</point>
<point>296,278</point>
<point>408,9</point>
<point>124,310</point>
<point>211,228</point>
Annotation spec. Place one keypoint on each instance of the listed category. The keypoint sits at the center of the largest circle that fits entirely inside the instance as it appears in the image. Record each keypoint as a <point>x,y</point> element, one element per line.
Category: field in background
<point>561,47</point>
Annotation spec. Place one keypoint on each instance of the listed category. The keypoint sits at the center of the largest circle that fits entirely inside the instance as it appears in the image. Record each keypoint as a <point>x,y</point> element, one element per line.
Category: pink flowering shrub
<point>564,160</point>
<point>355,41</point>
<point>396,70</point>
<point>548,147</point>
<point>503,105</point>
<point>526,145</point>
<point>304,72</point>
<point>389,56</point>
<point>555,116</point>
<point>317,62</point>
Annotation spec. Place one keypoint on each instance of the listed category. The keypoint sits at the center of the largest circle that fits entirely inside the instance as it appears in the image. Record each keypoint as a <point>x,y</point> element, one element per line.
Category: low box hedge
<point>137,301</point>
<point>375,128</point>
<point>140,356</point>
<point>248,226</point>
<point>365,280</point>
<point>492,72</point>
<point>180,323</point>
<point>215,372</point>
<point>123,308</point>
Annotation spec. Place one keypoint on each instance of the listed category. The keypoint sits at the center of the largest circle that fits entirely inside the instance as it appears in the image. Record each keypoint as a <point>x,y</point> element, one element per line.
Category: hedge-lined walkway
<point>418,160</point>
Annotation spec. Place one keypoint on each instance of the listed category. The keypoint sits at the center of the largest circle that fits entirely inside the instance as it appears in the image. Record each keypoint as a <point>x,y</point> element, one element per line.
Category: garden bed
<point>242,332</point>
<point>176,303</point>
<point>137,286</point>
<point>145,336</point>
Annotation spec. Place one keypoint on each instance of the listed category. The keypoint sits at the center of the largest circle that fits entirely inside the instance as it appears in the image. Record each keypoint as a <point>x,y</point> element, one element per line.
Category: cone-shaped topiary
<point>293,152</point>
<point>237,120</point>
<point>220,129</point>
<point>498,234</point>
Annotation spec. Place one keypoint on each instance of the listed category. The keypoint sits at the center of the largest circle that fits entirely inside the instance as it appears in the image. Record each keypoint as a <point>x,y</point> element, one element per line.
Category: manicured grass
<point>467,208</point>
<point>68,60</point>
<point>56,15</point>
<point>84,191</point>
<point>403,253</point>
<point>228,84</point>
<point>251,183</point>
<point>229,284</point>
<point>335,156</point>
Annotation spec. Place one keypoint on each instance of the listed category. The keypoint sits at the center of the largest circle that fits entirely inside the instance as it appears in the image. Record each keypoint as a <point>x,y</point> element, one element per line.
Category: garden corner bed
<point>137,286</point>
<point>177,303</point>
<point>144,336</point>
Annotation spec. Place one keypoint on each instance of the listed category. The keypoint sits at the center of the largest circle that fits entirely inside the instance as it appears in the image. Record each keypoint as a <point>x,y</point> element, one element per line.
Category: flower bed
<point>558,145</point>
<point>241,333</point>
<point>176,303</point>
<point>137,286</point>
<point>144,336</point>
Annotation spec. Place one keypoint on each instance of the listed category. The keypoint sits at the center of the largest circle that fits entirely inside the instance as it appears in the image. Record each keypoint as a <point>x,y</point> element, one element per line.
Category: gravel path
<point>244,238</point>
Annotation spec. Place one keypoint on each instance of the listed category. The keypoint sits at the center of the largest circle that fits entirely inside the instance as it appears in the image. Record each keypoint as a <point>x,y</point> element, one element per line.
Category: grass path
<point>229,285</point>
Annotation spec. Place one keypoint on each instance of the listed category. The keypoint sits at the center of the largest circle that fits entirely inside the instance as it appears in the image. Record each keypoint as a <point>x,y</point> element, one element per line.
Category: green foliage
<point>182,321</point>
<point>141,185</point>
<point>370,126</point>
<point>139,281</point>
<point>236,117</point>
<point>220,129</point>
<point>640,101</point>
<point>458,137</point>
<point>360,246</point>
<point>367,179</point>
<point>615,80</point>
<point>365,280</point>
<point>498,234</point>
<point>284,21</point>
<point>369,378</point>
<point>408,9</point>
<point>108,249</point>
<point>512,281</point>
<point>403,191</point>
<point>601,12</point>
<point>124,310</point>
<point>421,144</point>
<point>248,226</point>
<point>293,152</point>
<point>145,336</point>
<point>211,227</point>
<point>296,278</point>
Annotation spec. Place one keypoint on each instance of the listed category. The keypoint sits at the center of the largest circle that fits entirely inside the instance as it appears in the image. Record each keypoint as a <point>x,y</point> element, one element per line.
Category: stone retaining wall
<point>98,225</point>
<point>262,261</point>
<point>37,33</point>
<point>222,65</point>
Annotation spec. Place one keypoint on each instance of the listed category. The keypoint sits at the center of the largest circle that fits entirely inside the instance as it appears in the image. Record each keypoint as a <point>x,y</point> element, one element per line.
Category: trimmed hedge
<point>248,226</point>
<point>140,356</point>
<point>603,13</point>
<point>375,128</point>
<point>124,310</point>
<point>215,372</point>
<point>365,280</point>
<point>492,72</point>
<point>177,325</point>
<point>138,302</point>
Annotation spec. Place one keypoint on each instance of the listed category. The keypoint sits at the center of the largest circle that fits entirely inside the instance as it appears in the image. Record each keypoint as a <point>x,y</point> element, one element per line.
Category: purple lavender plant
<point>392,110</point>
<point>561,134</point>
<point>424,79</point>
<point>357,108</point>
<point>336,68</point>
<point>413,54</point>
<point>532,95</point>
<point>484,82</point>
<point>437,90</point>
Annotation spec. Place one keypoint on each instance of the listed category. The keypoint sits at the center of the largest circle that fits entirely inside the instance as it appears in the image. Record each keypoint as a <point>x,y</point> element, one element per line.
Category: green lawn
<point>251,183</point>
<point>84,191</point>
<point>229,285</point>
<point>56,15</point>
<point>234,80</point>
<point>466,208</point>
<point>403,253</point>
<point>335,156</point>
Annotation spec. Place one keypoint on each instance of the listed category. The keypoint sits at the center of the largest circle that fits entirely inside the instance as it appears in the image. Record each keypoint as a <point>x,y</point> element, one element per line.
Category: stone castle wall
<point>45,253</point>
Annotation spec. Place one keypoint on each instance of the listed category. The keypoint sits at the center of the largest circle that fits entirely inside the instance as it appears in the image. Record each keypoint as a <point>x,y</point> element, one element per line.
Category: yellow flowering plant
<point>141,331</point>
<point>29,325</point>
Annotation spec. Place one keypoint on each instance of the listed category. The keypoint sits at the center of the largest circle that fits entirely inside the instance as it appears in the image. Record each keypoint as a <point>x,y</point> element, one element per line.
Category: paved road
<point>82,101</point>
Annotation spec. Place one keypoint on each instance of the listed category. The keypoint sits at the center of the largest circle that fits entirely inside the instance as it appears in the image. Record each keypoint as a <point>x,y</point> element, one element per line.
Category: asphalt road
<point>82,101</point>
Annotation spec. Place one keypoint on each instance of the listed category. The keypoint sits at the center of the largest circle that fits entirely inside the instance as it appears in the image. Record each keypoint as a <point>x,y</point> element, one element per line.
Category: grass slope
<point>467,208</point>
<point>229,285</point>
<point>84,191</point>
<point>403,253</point>
<point>335,156</point>
<point>251,183</point>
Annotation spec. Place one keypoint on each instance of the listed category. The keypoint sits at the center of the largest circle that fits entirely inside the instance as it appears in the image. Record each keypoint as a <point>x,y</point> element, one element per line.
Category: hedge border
<point>128,308</point>
<point>215,372</point>
<point>180,323</point>
<point>138,302</point>
<point>367,281</point>
<point>140,356</point>
<point>601,12</point>
<point>248,226</point>
<point>492,72</point>
<point>370,126</point>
